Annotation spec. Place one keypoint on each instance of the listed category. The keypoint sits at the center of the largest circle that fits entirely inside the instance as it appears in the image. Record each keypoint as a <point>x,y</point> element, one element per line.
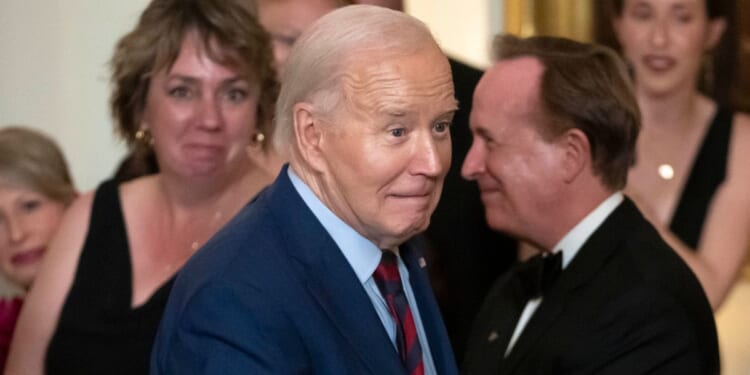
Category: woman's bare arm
<point>41,310</point>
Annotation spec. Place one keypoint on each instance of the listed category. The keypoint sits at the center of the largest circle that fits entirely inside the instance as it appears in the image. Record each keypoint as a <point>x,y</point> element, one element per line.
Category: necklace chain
<point>195,244</point>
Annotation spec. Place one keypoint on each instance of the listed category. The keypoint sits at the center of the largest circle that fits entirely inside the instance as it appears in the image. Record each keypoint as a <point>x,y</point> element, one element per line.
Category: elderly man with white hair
<point>321,274</point>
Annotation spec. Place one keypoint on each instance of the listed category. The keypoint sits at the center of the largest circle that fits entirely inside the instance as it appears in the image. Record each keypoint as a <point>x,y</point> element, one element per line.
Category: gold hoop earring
<point>143,135</point>
<point>140,134</point>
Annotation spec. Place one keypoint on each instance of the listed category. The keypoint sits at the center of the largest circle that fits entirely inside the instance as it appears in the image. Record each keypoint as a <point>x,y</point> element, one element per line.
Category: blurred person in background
<point>690,177</point>
<point>285,20</point>
<point>35,191</point>
<point>194,83</point>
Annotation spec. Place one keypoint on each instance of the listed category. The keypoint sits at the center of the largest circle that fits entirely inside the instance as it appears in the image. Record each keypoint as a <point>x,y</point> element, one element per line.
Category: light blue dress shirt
<point>363,256</point>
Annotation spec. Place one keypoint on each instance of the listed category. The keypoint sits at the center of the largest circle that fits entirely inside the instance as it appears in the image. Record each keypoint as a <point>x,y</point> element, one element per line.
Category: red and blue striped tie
<point>389,282</point>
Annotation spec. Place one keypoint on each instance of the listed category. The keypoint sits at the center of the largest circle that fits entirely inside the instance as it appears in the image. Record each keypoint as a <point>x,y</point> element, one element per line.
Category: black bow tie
<point>539,273</point>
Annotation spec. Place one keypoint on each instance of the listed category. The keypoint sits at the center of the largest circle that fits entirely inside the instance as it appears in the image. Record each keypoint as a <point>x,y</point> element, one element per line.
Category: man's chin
<point>500,224</point>
<point>403,233</point>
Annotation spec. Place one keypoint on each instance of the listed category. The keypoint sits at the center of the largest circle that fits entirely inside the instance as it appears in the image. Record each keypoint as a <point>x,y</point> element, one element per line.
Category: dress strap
<point>707,173</point>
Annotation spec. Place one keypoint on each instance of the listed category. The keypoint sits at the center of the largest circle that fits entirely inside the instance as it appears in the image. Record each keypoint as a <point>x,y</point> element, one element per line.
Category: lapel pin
<point>492,337</point>
<point>422,262</point>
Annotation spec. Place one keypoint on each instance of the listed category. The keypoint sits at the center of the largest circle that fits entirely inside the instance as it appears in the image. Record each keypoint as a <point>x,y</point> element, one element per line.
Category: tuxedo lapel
<point>331,281</point>
<point>599,247</point>
<point>502,322</point>
<point>544,317</point>
<point>437,336</point>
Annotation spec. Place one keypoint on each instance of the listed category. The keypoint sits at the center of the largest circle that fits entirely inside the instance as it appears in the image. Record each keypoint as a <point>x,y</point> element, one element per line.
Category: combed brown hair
<point>584,86</point>
<point>31,160</point>
<point>230,35</point>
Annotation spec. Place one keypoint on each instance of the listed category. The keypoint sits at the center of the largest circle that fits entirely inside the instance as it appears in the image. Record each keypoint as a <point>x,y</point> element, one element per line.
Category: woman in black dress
<point>194,84</point>
<point>690,176</point>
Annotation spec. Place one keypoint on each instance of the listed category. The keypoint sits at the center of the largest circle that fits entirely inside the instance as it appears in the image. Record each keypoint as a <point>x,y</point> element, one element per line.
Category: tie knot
<point>539,273</point>
<point>388,258</point>
<point>386,274</point>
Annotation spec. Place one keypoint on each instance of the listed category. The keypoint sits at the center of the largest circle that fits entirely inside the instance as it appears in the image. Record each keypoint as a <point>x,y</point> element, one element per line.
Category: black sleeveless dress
<point>98,331</point>
<point>708,172</point>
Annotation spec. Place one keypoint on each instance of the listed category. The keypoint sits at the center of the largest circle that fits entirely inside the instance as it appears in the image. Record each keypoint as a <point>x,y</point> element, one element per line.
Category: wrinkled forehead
<point>399,84</point>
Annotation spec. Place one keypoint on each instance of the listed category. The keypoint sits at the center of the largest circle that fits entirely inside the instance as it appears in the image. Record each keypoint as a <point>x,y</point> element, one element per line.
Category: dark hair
<point>137,163</point>
<point>584,86</point>
<point>230,35</point>
<point>718,79</point>
<point>714,8</point>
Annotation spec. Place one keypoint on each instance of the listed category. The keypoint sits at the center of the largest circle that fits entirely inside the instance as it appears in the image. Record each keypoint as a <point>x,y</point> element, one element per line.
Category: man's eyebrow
<point>395,112</point>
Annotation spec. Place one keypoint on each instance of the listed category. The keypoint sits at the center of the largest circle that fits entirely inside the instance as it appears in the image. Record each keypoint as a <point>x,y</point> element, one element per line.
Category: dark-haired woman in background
<point>35,190</point>
<point>690,177</point>
<point>194,84</point>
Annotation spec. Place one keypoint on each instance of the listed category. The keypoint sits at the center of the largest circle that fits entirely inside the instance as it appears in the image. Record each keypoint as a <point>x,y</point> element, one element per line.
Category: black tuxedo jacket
<point>626,304</point>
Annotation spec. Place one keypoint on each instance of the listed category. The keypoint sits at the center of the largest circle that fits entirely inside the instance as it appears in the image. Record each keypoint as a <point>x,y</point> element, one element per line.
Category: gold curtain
<point>568,18</point>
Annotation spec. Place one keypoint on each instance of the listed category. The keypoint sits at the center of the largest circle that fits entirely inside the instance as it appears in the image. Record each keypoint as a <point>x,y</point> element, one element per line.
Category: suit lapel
<point>335,287</point>
<point>599,247</point>
<point>543,318</point>
<point>437,336</point>
<point>331,281</point>
<point>494,326</point>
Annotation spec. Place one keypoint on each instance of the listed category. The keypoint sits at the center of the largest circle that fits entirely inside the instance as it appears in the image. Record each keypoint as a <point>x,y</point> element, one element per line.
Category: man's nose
<point>474,162</point>
<point>433,156</point>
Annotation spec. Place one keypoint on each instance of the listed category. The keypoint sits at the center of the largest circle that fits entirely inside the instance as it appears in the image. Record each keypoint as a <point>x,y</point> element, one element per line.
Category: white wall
<point>464,28</point>
<point>54,76</point>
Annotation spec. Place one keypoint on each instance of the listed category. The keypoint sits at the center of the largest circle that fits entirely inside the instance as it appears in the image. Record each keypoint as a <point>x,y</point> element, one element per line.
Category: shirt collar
<point>363,256</point>
<point>574,240</point>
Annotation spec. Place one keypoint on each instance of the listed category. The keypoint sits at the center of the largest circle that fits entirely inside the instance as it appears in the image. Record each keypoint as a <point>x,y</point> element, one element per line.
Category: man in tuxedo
<point>555,125</point>
<point>319,274</point>
<point>465,255</point>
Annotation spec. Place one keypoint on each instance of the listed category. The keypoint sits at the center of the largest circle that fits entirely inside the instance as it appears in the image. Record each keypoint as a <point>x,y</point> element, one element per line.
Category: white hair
<point>322,55</point>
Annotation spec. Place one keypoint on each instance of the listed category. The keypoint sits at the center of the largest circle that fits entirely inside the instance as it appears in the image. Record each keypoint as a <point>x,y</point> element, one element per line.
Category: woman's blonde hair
<point>31,160</point>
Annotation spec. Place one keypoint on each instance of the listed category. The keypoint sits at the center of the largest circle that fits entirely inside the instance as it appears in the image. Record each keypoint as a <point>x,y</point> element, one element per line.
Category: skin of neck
<point>669,109</point>
<point>207,192</point>
<point>577,199</point>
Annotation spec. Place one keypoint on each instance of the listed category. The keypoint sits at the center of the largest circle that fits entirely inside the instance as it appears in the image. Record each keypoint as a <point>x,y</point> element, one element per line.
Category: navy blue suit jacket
<point>273,294</point>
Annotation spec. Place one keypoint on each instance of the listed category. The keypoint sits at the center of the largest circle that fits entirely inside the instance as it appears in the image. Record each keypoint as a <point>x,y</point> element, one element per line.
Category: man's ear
<point>308,135</point>
<point>576,153</point>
